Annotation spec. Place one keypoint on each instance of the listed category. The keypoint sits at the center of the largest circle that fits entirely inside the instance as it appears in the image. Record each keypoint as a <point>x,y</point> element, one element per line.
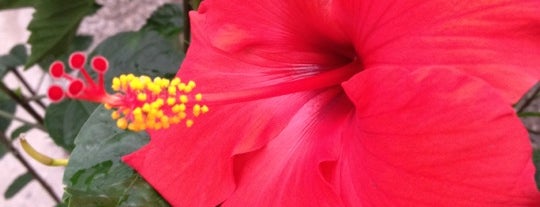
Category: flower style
<point>353,103</point>
<point>140,103</point>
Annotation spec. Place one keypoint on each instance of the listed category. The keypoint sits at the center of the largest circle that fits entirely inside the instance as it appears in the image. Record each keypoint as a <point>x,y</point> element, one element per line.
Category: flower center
<point>141,103</point>
<point>322,80</point>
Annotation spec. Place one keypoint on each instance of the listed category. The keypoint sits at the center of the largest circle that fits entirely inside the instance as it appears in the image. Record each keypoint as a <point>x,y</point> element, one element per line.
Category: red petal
<point>198,169</point>
<point>287,171</point>
<point>433,138</point>
<point>497,41</point>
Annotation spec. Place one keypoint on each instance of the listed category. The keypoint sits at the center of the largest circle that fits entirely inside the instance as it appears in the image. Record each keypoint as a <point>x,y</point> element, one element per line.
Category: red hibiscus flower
<point>353,103</point>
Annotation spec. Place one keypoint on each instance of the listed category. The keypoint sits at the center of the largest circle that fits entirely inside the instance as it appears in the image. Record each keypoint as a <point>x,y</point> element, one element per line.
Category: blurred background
<point>114,16</point>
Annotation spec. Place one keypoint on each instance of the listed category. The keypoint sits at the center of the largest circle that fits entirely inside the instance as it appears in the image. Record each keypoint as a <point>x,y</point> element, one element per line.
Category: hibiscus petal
<point>259,43</point>
<point>289,170</point>
<point>433,138</point>
<point>299,34</point>
<point>497,41</point>
<point>193,166</point>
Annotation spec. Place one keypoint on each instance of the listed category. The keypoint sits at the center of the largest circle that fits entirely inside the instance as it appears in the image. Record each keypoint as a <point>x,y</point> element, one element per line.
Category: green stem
<point>8,115</point>
<point>529,100</point>
<point>5,141</point>
<point>21,101</point>
<point>187,27</point>
<point>36,97</point>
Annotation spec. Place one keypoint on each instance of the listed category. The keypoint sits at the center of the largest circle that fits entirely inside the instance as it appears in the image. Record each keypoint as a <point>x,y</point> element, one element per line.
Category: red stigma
<point>55,93</point>
<point>100,64</point>
<point>75,87</point>
<point>77,60</point>
<point>82,89</point>
<point>56,69</point>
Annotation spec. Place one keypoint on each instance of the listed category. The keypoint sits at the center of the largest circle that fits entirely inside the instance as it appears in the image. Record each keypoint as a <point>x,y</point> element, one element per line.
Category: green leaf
<point>17,56</point>
<point>3,150</point>
<point>79,43</point>
<point>166,20</point>
<point>14,4</point>
<point>195,4</point>
<point>53,26</point>
<point>64,120</point>
<point>529,114</point>
<point>19,131</point>
<point>6,105</point>
<point>95,175</point>
<point>18,184</point>
<point>140,53</point>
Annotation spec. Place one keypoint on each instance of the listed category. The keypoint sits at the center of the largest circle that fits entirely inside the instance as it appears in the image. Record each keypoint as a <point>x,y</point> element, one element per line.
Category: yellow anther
<point>171,101</point>
<point>175,81</point>
<point>191,84</point>
<point>164,119</point>
<point>181,86</point>
<point>156,104</point>
<point>122,123</point>
<point>154,88</point>
<point>196,110</point>
<point>107,106</point>
<point>165,125</point>
<point>123,79</point>
<point>138,118</point>
<point>136,84</point>
<point>175,120</point>
<point>198,97</point>
<point>188,89</point>
<point>145,79</point>
<point>115,115</point>
<point>184,99</point>
<point>164,83</point>
<point>204,109</point>
<point>137,111</point>
<point>152,113</point>
<point>116,84</point>
<point>141,97</point>
<point>177,108</point>
<point>157,79</point>
<point>132,127</point>
<point>189,123</point>
<point>150,124</point>
<point>182,115</point>
<point>146,107</point>
<point>172,90</point>
<point>159,114</point>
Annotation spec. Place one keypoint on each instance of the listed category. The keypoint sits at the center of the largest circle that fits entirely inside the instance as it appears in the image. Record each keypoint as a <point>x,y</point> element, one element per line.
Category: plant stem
<point>29,168</point>
<point>10,116</point>
<point>22,102</point>
<point>187,27</point>
<point>529,100</point>
<point>36,97</point>
<point>27,86</point>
